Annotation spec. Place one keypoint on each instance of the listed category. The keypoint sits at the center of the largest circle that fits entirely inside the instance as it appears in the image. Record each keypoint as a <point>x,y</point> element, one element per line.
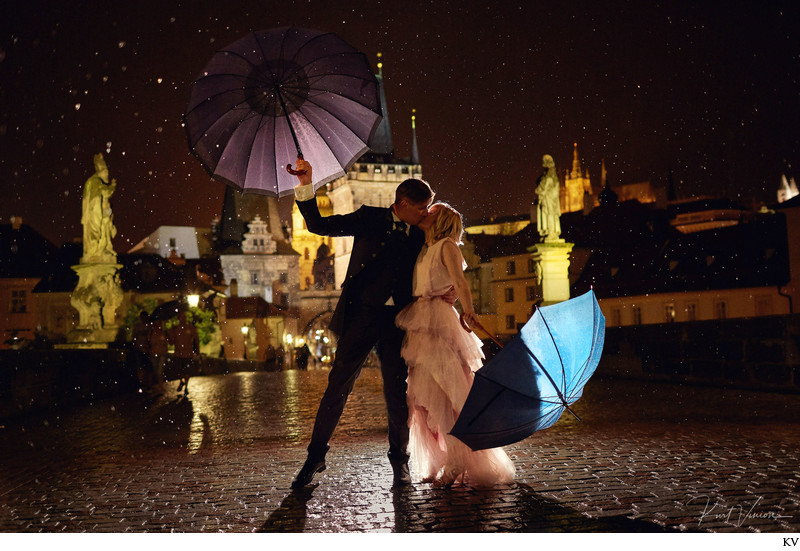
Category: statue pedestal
<point>96,298</point>
<point>552,263</point>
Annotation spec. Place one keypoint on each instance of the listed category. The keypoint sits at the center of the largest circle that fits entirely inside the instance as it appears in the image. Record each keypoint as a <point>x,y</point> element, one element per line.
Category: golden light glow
<point>193,300</point>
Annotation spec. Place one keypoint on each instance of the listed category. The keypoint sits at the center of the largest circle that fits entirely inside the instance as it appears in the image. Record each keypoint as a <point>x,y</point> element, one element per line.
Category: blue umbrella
<point>271,96</point>
<point>539,374</point>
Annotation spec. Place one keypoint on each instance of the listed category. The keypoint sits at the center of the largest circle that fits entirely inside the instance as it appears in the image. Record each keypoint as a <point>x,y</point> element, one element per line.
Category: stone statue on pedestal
<point>551,254</point>
<point>97,218</point>
<point>548,212</point>
<point>98,293</point>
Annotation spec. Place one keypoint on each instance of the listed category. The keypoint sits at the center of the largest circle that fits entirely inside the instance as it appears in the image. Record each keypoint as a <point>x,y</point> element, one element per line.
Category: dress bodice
<point>430,274</point>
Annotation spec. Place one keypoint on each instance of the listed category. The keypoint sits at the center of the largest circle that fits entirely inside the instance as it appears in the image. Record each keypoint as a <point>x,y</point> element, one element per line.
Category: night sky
<point>710,91</point>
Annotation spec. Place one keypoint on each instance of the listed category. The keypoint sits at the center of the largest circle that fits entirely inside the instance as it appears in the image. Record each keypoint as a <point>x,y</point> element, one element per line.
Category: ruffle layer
<point>441,358</point>
<point>434,334</point>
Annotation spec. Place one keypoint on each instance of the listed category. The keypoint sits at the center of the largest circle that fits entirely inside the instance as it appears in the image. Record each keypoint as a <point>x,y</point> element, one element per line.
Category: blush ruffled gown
<point>442,358</point>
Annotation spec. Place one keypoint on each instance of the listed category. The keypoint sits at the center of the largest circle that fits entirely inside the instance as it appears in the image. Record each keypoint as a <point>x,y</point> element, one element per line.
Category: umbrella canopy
<point>275,95</point>
<point>540,373</point>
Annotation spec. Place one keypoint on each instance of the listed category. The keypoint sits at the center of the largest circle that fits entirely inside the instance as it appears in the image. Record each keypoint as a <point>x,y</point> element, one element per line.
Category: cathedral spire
<point>576,163</point>
<point>414,149</point>
<point>603,173</point>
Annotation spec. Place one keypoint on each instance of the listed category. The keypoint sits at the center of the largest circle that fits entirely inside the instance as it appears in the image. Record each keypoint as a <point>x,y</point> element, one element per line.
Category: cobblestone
<point>648,457</point>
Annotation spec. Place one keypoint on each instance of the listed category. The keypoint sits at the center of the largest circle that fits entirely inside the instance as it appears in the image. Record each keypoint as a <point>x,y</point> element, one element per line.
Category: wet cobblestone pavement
<point>648,457</point>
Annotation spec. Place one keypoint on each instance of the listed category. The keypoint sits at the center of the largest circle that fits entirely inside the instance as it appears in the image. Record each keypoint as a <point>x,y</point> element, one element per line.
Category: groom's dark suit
<point>381,267</point>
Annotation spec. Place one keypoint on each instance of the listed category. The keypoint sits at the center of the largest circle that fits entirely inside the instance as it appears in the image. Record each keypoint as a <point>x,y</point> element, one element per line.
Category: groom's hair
<point>414,191</point>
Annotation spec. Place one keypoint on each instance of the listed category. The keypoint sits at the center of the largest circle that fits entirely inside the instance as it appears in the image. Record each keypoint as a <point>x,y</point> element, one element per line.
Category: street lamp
<point>245,331</point>
<point>193,300</point>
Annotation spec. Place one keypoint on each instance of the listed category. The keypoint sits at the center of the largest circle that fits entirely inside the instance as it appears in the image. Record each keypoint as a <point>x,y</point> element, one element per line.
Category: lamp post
<point>289,339</point>
<point>245,332</point>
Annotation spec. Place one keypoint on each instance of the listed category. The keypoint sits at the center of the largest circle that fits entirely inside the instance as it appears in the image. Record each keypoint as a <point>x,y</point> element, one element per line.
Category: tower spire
<point>603,173</point>
<point>381,146</point>
<point>414,149</point>
<point>576,163</point>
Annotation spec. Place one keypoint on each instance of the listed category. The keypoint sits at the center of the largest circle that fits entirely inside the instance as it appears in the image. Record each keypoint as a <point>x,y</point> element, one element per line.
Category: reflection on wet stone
<point>222,459</point>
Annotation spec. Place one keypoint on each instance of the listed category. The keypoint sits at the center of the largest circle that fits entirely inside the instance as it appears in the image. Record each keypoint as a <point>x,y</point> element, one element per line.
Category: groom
<point>376,287</point>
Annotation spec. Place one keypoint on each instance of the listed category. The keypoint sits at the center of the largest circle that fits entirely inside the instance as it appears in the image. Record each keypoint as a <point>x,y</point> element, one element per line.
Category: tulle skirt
<point>442,358</point>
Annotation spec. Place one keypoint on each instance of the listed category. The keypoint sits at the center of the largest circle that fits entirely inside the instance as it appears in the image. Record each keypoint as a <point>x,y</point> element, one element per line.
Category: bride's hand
<point>470,318</point>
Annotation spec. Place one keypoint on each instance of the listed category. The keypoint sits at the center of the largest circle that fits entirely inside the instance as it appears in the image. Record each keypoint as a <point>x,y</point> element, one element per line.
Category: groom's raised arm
<point>336,225</point>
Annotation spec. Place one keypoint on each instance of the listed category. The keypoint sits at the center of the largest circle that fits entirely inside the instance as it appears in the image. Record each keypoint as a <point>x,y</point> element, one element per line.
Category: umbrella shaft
<point>575,415</point>
<point>288,121</point>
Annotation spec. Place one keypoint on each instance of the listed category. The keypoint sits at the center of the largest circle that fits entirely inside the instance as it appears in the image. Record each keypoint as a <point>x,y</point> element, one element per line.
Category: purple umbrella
<point>273,95</point>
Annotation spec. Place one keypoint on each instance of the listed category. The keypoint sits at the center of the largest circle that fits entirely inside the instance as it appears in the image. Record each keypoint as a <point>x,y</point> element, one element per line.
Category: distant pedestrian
<point>158,352</point>
<point>140,349</point>
<point>270,357</point>
<point>302,356</point>
<point>187,349</point>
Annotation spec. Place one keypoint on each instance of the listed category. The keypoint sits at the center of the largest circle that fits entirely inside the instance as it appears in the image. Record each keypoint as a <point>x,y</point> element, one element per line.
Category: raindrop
<point>77,106</point>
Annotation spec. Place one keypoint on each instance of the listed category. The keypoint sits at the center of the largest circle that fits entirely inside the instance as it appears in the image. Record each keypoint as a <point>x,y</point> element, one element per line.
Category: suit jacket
<point>376,258</point>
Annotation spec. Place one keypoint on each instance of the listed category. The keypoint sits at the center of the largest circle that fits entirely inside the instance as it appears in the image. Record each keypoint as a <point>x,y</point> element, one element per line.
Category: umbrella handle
<point>294,172</point>
<point>468,329</point>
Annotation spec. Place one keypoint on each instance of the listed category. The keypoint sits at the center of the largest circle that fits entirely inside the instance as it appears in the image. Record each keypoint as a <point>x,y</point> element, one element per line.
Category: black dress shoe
<point>306,474</point>
<point>401,475</point>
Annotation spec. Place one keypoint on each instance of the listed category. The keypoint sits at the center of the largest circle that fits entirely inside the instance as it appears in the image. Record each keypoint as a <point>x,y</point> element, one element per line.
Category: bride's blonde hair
<point>449,223</point>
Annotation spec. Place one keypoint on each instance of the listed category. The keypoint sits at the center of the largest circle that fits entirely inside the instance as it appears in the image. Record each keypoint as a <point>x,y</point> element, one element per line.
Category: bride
<point>442,358</point>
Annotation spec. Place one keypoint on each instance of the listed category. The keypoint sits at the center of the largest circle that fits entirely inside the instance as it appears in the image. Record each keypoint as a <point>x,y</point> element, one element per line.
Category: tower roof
<point>381,146</point>
<point>414,148</point>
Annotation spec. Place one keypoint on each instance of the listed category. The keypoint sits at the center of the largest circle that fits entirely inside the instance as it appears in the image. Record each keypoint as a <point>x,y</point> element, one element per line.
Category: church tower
<point>576,184</point>
<point>372,180</point>
<point>308,244</point>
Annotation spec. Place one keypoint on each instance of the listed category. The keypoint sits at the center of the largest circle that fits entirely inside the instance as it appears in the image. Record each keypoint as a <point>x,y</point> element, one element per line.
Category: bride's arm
<point>454,262</point>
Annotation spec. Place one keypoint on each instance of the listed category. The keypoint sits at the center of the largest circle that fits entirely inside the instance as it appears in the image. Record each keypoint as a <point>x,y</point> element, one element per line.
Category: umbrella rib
<point>549,377</point>
<point>485,407</point>
<point>343,122</point>
<point>582,370</point>
<point>560,359</point>
<point>249,115</point>
<point>305,44</point>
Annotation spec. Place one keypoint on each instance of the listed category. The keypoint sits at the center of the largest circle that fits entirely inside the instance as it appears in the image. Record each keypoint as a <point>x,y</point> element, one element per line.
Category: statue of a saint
<point>548,212</point>
<point>97,218</point>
